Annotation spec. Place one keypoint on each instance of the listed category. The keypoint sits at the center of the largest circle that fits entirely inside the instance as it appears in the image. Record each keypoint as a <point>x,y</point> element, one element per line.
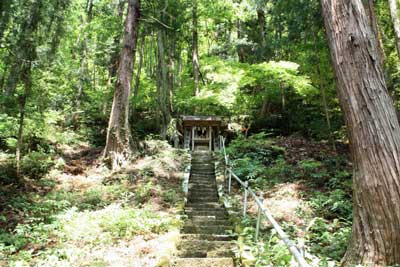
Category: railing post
<point>300,247</point>
<point>259,219</point>
<point>246,183</point>
<point>229,180</point>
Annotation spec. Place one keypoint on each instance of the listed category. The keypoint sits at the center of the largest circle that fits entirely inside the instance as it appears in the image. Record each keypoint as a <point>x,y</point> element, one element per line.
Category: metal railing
<point>296,251</point>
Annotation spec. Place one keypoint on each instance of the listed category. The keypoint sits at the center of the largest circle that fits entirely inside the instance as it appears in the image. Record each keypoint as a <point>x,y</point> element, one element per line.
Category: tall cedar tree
<point>374,134</point>
<point>119,144</point>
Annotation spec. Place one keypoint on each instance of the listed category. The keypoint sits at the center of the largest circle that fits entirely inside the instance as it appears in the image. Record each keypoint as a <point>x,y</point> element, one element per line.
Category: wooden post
<point>193,138</point>
<point>210,136</point>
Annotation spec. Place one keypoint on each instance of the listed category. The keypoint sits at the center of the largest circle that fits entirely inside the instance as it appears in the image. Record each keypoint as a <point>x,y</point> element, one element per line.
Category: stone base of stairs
<point>204,239</point>
<point>203,262</point>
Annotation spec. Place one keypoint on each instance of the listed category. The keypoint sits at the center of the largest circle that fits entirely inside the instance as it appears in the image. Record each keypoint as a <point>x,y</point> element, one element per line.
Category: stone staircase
<point>204,240</point>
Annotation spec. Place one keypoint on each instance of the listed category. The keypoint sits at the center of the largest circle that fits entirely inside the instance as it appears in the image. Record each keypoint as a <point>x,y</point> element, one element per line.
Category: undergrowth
<point>322,181</point>
<point>62,219</point>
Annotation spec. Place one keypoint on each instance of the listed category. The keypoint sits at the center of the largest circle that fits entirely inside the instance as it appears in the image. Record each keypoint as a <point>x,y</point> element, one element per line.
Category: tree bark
<point>323,93</point>
<point>139,69</point>
<point>195,52</point>
<point>374,135</point>
<point>261,23</point>
<point>83,69</point>
<point>171,69</point>
<point>369,5</point>
<point>25,76</point>
<point>394,14</point>
<point>115,55</point>
<point>240,50</point>
<point>162,84</point>
<point>120,144</point>
<point>137,77</point>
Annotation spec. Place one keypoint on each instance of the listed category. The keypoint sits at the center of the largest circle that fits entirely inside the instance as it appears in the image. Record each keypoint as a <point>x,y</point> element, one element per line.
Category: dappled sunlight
<point>104,218</point>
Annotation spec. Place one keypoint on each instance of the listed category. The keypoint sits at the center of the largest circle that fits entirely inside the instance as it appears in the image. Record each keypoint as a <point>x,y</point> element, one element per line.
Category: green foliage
<point>131,222</point>
<point>170,196</point>
<point>256,147</point>
<point>36,164</point>
<point>325,207</point>
<point>143,192</point>
<point>335,204</point>
<point>329,239</point>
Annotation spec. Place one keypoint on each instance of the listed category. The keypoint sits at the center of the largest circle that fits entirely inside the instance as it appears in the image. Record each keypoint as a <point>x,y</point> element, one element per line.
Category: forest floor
<point>306,186</point>
<point>81,214</point>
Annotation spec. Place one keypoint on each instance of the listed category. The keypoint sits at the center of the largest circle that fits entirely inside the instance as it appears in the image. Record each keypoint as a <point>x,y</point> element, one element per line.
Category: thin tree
<point>120,144</point>
<point>394,14</point>
<point>374,134</point>
<point>83,69</point>
<point>195,49</point>
<point>162,85</point>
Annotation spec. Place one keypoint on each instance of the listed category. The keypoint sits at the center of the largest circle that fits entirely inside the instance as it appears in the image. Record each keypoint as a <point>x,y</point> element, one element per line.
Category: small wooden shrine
<point>201,132</point>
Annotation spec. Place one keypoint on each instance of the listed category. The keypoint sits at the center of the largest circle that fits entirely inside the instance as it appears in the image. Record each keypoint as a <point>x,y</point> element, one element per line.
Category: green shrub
<point>130,222</point>
<point>36,164</point>
<point>247,168</point>
<point>256,147</point>
<point>91,199</point>
<point>8,174</point>
<point>329,239</point>
<point>335,204</point>
<point>170,196</point>
<point>143,192</point>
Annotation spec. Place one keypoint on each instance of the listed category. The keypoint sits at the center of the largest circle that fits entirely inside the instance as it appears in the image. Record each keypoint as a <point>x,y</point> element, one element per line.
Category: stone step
<point>203,181</point>
<point>202,187</point>
<point>217,209</point>
<point>203,262</point>
<point>201,174</point>
<point>204,190</point>
<point>207,237</point>
<point>205,171</point>
<point>200,199</point>
<point>202,165</point>
<point>202,178</point>
<point>207,229</point>
<point>206,185</point>
<point>207,222</point>
<point>210,205</point>
<point>209,174</point>
<point>216,213</point>
<point>205,249</point>
<point>203,194</point>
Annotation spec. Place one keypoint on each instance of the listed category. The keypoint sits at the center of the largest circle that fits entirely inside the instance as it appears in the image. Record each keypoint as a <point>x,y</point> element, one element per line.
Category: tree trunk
<point>139,69</point>
<point>375,29</point>
<point>261,23</point>
<point>137,78</point>
<point>162,83</point>
<point>240,50</point>
<point>114,58</point>
<point>195,52</point>
<point>171,68</point>
<point>323,93</point>
<point>120,144</point>
<point>22,105</point>
<point>394,14</point>
<point>374,135</point>
<point>83,69</point>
